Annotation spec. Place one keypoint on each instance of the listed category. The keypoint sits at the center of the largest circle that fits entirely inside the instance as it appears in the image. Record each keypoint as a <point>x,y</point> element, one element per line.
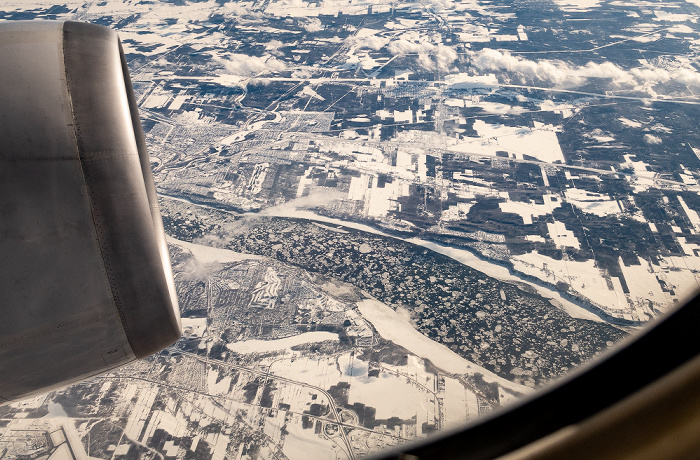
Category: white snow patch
<point>466,81</point>
<point>194,326</point>
<point>373,391</point>
<point>529,210</point>
<point>538,142</point>
<point>300,443</point>
<point>643,283</point>
<point>592,202</point>
<point>562,236</point>
<point>584,277</point>
<point>396,327</point>
<point>566,110</point>
<point>221,387</point>
<point>263,346</point>
<point>577,5</point>
<point>535,238</point>
<point>207,254</point>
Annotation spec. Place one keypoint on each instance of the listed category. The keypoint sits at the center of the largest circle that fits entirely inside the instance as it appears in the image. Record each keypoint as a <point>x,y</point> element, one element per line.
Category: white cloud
<point>563,74</point>
<point>373,42</point>
<point>605,70</point>
<point>249,66</point>
<point>493,60</point>
<point>193,12</point>
<point>444,4</point>
<point>402,47</point>
<point>274,47</point>
<point>445,56</point>
<point>429,56</point>
<point>311,201</point>
<point>302,74</point>
<point>312,25</point>
<point>194,270</point>
<point>653,75</point>
<point>651,139</point>
<point>557,72</point>
<point>259,82</point>
<point>687,76</point>
<point>659,128</point>
<point>241,13</point>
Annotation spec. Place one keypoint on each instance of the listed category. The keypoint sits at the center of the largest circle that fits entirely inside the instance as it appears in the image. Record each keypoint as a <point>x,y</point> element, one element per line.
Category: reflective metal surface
<point>85,284</point>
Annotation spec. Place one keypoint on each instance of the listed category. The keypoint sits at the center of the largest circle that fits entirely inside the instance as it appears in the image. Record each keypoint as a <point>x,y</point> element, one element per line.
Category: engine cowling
<point>85,277</point>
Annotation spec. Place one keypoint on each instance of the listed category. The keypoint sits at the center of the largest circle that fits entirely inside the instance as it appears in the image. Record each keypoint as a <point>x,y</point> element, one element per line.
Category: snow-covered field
<point>594,203</point>
<point>208,255</point>
<point>530,210</point>
<point>539,142</point>
<point>264,346</point>
<point>584,277</point>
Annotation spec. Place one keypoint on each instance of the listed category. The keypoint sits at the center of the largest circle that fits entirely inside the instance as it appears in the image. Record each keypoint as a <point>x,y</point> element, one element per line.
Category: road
<point>484,155</point>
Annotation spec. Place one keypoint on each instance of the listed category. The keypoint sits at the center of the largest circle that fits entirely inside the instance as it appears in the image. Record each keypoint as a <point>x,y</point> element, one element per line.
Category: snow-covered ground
<point>539,142</point>
<point>562,236</point>
<point>463,256</point>
<point>300,443</point>
<point>208,255</point>
<point>591,202</point>
<point>395,326</point>
<point>373,391</point>
<point>264,346</point>
<point>584,277</point>
<point>530,210</point>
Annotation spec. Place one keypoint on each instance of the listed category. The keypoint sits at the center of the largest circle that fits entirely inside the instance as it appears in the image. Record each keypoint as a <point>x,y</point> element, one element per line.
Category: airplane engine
<point>85,277</point>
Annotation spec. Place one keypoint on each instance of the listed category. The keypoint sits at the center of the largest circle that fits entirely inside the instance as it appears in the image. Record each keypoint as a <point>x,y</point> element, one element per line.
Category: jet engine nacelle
<point>85,278</point>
